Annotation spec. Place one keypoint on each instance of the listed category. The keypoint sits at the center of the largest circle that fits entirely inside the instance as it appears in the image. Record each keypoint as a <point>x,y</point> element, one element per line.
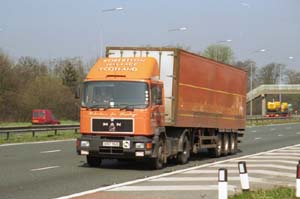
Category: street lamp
<point>251,78</point>
<point>113,9</point>
<point>116,9</point>
<point>178,29</point>
<point>224,41</point>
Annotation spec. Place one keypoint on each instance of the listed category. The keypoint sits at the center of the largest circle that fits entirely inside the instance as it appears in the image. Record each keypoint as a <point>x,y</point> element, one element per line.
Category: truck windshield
<point>115,94</point>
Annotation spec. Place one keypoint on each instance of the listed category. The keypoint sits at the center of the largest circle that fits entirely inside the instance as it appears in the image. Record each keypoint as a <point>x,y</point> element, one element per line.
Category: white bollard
<point>244,176</point>
<point>223,184</point>
<point>298,181</point>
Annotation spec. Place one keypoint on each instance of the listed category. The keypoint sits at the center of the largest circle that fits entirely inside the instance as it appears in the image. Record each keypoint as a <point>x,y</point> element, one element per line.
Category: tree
<point>71,71</point>
<point>293,77</point>
<point>47,92</point>
<point>270,74</point>
<point>219,53</point>
<point>249,65</point>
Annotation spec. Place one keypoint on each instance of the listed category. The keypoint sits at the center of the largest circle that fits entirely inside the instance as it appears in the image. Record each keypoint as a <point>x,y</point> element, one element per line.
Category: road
<point>49,170</point>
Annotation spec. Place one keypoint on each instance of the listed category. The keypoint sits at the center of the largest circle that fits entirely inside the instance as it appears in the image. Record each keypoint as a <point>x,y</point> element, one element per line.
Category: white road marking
<point>44,142</point>
<point>254,131</point>
<point>298,133</point>
<point>53,151</point>
<point>292,168</point>
<point>172,188</point>
<point>279,135</point>
<point>272,129</point>
<point>284,154</point>
<point>190,179</point>
<point>265,172</point>
<point>210,171</point>
<point>275,157</point>
<point>214,179</point>
<point>257,138</point>
<point>270,161</point>
<point>290,150</point>
<point>288,127</point>
<point>107,188</point>
<point>45,168</point>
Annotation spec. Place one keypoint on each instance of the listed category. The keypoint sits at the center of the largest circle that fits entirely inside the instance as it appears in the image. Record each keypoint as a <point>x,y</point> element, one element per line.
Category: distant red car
<point>43,116</point>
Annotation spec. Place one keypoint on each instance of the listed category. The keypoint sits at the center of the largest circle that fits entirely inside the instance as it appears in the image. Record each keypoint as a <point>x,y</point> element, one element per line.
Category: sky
<point>49,29</point>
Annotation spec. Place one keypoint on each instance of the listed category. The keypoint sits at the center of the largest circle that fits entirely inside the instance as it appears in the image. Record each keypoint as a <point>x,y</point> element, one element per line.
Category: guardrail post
<point>55,132</point>
<point>298,181</point>
<point>223,184</point>
<point>7,135</point>
<point>244,176</point>
<point>76,130</point>
<point>33,133</point>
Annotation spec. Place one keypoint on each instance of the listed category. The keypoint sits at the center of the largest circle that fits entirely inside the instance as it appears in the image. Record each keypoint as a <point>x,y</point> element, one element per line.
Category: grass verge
<point>8,124</point>
<point>276,193</point>
<point>39,136</point>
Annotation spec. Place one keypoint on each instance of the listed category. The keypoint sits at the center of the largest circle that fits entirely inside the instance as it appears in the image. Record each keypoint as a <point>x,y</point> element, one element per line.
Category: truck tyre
<point>233,143</point>
<point>225,144</point>
<point>183,157</point>
<point>216,152</point>
<point>158,162</point>
<point>93,161</point>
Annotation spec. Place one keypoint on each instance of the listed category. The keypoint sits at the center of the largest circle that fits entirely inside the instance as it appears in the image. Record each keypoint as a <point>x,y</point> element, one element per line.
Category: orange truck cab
<point>43,116</point>
<point>122,107</point>
<point>156,104</point>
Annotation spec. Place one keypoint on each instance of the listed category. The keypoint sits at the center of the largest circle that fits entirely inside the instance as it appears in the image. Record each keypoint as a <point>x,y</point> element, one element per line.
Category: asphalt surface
<point>49,170</point>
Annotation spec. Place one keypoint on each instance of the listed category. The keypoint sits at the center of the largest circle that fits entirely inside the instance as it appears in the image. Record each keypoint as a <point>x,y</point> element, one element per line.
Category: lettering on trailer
<point>122,64</point>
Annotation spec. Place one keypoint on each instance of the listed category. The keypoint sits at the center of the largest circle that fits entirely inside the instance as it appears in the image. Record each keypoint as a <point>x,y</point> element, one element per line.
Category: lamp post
<point>280,79</point>
<point>251,78</point>
<point>116,9</point>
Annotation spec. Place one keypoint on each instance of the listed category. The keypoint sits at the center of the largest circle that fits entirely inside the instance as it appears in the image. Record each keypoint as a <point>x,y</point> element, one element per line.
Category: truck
<point>278,109</point>
<point>43,116</point>
<point>164,104</point>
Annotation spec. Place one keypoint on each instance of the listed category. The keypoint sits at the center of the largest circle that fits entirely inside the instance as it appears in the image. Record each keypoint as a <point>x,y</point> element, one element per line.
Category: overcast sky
<point>48,29</point>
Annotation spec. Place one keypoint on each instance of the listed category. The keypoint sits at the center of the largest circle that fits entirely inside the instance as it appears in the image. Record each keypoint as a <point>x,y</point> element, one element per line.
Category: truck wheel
<point>225,144</point>
<point>183,157</point>
<point>233,143</point>
<point>93,161</point>
<point>158,162</point>
<point>216,152</point>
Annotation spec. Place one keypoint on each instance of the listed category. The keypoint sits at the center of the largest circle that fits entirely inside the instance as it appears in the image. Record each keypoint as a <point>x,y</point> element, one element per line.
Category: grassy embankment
<point>39,136</point>
<point>276,193</point>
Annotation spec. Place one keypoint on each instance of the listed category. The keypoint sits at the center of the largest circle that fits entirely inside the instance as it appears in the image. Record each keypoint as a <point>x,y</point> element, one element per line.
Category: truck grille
<point>112,125</point>
<point>110,150</point>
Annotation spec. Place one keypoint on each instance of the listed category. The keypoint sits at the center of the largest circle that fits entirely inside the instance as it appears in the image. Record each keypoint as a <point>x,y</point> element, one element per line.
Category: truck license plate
<point>111,144</point>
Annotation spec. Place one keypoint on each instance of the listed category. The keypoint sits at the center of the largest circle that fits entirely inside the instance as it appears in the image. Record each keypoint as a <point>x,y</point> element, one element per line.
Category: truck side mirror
<point>77,93</point>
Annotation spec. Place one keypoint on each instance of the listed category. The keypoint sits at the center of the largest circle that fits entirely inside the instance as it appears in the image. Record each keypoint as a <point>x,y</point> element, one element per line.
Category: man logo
<point>112,127</point>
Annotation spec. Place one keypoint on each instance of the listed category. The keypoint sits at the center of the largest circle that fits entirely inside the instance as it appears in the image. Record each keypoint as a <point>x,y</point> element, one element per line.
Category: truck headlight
<point>139,145</point>
<point>84,143</point>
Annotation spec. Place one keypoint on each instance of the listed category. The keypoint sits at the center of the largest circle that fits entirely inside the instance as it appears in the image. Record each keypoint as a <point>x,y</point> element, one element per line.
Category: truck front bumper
<point>123,147</point>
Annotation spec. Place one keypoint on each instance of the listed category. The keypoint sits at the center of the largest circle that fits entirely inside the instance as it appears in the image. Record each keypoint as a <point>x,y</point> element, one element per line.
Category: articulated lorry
<point>158,104</point>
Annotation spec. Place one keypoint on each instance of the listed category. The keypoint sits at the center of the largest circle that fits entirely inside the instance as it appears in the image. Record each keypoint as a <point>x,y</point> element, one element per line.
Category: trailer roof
<point>176,50</point>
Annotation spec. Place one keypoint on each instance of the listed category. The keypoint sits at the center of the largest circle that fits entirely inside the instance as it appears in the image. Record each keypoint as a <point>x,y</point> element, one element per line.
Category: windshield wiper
<point>127,108</point>
<point>97,107</point>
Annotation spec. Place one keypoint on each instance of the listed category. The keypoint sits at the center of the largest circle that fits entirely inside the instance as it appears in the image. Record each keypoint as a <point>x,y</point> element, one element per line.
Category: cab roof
<point>125,68</point>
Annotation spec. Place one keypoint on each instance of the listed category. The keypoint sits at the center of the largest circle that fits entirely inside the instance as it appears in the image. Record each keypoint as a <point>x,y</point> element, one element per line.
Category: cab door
<point>157,105</point>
